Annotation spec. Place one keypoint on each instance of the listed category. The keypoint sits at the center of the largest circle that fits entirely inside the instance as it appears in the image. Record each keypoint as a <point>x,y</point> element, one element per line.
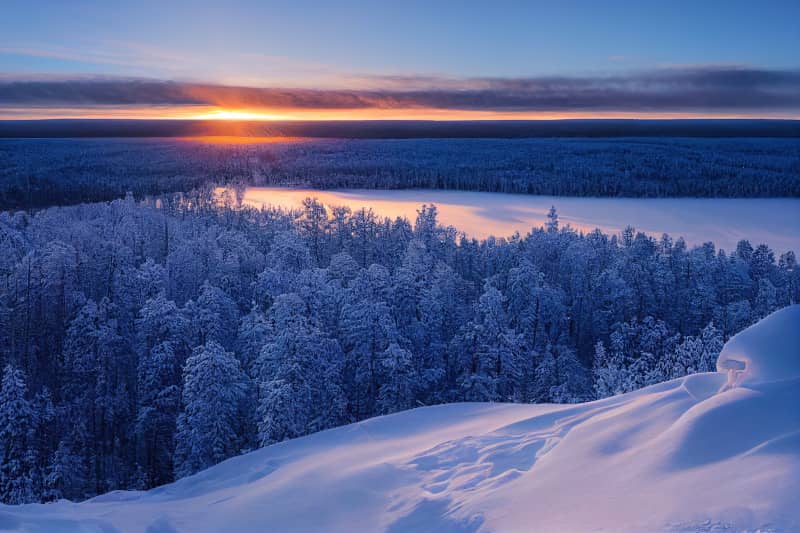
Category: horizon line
<point>399,129</point>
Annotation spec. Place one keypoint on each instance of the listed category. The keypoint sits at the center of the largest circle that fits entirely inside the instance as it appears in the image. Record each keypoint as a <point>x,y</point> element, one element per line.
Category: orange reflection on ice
<point>723,221</point>
<point>236,139</point>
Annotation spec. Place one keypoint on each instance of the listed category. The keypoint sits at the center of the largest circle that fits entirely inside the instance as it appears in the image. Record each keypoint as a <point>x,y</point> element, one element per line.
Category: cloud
<point>675,89</point>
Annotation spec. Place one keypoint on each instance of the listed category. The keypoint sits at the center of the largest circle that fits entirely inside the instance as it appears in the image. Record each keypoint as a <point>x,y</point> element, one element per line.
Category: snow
<point>766,352</point>
<point>723,221</point>
<point>688,454</point>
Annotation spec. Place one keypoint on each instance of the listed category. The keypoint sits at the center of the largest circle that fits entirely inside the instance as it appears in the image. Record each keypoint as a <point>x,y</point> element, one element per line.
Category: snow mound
<point>685,455</point>
<point>765,352</point>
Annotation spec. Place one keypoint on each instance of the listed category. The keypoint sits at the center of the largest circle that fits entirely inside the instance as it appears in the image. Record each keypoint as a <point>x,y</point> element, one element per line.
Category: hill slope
<point>714,451</point>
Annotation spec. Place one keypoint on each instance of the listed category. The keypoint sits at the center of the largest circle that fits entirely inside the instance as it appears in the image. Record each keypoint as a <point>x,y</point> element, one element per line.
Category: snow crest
<point>765,352</point>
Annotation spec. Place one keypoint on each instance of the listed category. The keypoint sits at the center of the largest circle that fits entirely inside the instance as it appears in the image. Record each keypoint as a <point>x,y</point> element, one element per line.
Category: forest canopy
<point>143,341</point>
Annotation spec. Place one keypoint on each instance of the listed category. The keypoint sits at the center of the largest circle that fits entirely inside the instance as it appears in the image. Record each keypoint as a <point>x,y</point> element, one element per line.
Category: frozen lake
<point>724,221</point>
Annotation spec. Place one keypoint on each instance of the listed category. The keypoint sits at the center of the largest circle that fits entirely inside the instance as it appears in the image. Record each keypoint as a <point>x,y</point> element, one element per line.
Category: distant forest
<point>145,341</point>
<point>403,129</point>
<point>45,172</point>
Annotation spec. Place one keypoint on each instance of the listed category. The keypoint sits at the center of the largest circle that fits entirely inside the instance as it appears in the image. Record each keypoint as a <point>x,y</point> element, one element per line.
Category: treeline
<point>37,173</point>
<point>559,167</point>
<point>146,341</point>
<point>44,172</point>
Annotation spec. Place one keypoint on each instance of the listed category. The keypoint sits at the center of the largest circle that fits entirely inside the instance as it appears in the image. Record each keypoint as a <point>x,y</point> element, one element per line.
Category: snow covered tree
<point>65,477</point>
<point>97,391</point>
<point>151,278</point>
<point>546,375</point>
<point>572,381</point>
<point>160,320</point>
<point>552,220</point>
<point>343,268</point>
<point>253,331</point>
<point>368,329</point>
<point>608,372</point>
<point>159,402</point>
<point>684,359</point>
<point>215,317</point>
<point>397,390</point>
<point>18,474</point>
<point>323,321</point>
<point>213,424</point>
<point>766,298</point>
<point>314,222</point>
<point>298,371</point>
<point>712,342</point>
<point>535,309</point>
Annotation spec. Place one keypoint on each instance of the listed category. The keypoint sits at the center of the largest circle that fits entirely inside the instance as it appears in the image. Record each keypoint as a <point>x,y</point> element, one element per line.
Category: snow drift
<point>713,451</point>
<point>769,351</point>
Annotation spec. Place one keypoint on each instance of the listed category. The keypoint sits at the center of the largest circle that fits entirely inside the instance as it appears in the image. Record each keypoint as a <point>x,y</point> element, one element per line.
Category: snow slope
<point>703,452</point>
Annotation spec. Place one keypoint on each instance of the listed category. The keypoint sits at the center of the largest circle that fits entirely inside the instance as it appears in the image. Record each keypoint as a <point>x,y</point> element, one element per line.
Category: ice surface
<point>688,454</point>
<point>723,221</point>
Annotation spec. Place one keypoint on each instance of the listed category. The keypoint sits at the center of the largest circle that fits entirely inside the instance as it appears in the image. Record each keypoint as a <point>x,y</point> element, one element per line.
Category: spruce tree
<point>18,475</point>
<point>213,424</point>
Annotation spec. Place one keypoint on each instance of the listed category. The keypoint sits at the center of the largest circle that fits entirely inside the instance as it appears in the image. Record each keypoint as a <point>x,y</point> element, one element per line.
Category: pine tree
<point>314,222</point>
<point>216,317</point>
<point>18,475</point>
<point>572,381</point>
<point>281,411</point>
<point>397,391</point>
<point>213,424</point>
<point>766,298</point>
<point>712,342</point>
<point>252,336</point>
<point>159,321</point>
<point>546,377</point>
<point>608,372</point>
<point>99,361</point>
<point>552,220</point>
<point>343,268</point>
<point>65,477</point>
<point>498,351</point>
<point>367,330</point>
<point>151,278</point>
<point>535,309</point>
<point>298,371</point>
<point>159,402</point>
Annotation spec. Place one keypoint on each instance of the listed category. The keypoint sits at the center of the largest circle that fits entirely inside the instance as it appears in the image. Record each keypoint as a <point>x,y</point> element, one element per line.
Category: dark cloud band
<point>667,90</point>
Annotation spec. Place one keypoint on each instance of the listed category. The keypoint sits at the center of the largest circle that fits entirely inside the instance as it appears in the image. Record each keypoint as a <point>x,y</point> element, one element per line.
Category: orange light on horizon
<point>241,139</point>
<point>230,114</point>
<point>434,114</point>
<point>223,114</point>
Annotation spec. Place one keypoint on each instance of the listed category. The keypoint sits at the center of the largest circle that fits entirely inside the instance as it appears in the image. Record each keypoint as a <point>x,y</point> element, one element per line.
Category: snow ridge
<point>768,352</point>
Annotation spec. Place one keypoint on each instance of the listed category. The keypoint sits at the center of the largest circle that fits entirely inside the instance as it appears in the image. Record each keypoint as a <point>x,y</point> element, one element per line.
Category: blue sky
<point>356,45</point>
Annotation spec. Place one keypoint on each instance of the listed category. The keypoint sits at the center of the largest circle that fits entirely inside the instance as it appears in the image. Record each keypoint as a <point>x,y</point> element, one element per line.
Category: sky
<point>409,59</point>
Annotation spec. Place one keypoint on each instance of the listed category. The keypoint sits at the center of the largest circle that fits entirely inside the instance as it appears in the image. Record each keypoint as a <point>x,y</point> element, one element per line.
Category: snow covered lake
<point>723,221</point>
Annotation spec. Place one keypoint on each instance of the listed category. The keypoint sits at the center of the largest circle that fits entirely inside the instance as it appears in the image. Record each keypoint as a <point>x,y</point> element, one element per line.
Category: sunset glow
<point>265,115</point>
<point>448,114</point>
<point>376,62</point>
<point>226,114</point>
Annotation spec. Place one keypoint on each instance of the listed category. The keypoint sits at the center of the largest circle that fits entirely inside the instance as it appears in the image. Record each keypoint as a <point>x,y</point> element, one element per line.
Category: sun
<point>228,114</point>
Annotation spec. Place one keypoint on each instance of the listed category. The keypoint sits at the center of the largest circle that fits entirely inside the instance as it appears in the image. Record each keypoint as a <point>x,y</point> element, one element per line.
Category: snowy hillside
<point>713,451</point>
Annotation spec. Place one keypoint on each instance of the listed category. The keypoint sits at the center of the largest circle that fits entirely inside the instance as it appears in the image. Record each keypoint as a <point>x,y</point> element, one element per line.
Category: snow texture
<point>687,454</point>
